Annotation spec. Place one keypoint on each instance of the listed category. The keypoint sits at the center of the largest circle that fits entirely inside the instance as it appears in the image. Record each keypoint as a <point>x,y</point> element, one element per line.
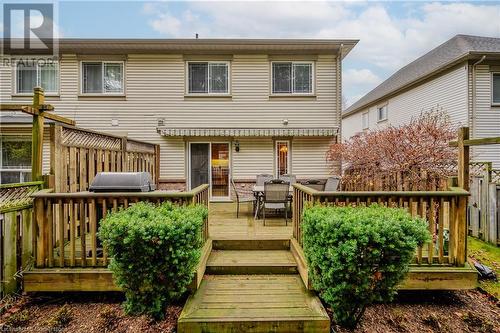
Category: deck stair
<point>252,286</point>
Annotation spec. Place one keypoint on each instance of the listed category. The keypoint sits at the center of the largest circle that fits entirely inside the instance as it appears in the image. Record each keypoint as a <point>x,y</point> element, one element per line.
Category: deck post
<point>37,135</point>
<point>463,182</point>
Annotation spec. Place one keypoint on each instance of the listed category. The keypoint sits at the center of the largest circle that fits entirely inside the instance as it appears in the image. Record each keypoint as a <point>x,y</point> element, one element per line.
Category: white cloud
<point>388,39</point>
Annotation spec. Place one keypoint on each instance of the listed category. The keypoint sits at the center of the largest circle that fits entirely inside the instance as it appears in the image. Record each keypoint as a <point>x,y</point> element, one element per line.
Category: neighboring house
<point>218,108</point>
<point>460,77</point>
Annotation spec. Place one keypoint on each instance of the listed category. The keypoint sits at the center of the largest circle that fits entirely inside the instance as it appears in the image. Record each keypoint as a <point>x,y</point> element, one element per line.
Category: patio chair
<point>332,184</point>
<point>315,184</point>
<point>276,197</point>
<point>262,178</point>
<point>242,196</point>
<point>291,179</point>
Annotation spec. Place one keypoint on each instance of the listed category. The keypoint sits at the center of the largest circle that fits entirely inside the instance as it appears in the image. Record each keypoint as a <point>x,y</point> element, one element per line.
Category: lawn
<point>488,255</point>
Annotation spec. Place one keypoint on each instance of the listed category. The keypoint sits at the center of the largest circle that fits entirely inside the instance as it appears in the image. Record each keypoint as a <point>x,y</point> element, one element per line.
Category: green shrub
<point>358,255</point>
<point>154,251</point>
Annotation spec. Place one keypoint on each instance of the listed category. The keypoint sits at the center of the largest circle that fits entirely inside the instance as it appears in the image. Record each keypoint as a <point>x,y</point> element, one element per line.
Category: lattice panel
<point>12,197</point>
<point>81,138</point>
<point>495,176</point>
<point>140,147</point>
<point>478,169</point>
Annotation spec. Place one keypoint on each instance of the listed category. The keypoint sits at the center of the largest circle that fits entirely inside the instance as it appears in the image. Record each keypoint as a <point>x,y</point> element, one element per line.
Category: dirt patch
<point>464,311</point>
<point>86,313</point>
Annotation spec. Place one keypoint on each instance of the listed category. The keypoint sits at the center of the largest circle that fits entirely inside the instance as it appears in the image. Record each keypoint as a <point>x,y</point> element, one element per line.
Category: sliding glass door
<point>210,164</point>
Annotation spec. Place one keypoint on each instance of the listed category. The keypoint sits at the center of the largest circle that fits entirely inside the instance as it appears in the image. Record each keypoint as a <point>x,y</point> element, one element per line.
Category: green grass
<point>489,255</point>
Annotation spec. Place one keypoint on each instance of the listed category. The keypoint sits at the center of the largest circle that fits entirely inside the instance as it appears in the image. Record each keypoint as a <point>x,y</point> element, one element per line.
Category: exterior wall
<point>487,117</point>
<point>155,89</point>
<point>447,92</point>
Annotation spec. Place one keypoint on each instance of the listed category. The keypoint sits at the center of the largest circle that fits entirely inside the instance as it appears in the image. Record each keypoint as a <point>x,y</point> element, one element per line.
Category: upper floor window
<point>208,78</point>
<point>382,113</point>
<point>15,159</point>
<point>495,87</point>
<point>292,77</point>
<point>102,77</point>
<point>364,120</point>
<point>31,74</point>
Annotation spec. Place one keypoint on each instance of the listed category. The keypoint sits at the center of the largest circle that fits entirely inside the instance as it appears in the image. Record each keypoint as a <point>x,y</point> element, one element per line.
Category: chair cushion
<point>272,205</point>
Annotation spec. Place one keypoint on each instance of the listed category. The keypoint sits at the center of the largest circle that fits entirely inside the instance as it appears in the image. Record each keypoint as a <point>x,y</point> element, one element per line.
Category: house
<point>460,77</point>
<point>218,108</point>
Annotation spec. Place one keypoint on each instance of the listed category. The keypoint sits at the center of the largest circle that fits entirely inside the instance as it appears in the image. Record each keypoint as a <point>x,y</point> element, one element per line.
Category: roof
<point>455,50</point>
<point>204,46</point>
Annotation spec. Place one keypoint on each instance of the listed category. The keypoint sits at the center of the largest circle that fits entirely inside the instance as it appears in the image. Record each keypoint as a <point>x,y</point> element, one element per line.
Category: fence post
<point>124,154</point>
<point>463,182</point>
<point>40,236</point>
<point>37,135</point>
<point>157,165</point>
<point>492,222</point>
<point>9,251</point>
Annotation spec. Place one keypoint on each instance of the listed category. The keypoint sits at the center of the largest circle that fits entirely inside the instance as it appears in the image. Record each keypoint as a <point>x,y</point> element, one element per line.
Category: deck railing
<point>445,212</point>
<point>67,223</point>
<point>16,241</point>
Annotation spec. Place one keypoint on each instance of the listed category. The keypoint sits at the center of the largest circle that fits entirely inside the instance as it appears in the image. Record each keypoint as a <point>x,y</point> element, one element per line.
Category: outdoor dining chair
<point>315,184</point>
<point>262,178</point>
<point>242,196</point>
<point>276,197</point>
<point>291,179</point>
<point>332,184</point>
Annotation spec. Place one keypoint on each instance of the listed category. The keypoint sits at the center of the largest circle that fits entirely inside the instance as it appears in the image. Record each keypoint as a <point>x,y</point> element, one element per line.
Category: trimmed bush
<point>358,255</point>
<point>154,251</point>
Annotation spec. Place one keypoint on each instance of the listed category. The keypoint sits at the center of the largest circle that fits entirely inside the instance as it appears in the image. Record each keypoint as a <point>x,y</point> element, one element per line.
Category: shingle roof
<point>437,59</point>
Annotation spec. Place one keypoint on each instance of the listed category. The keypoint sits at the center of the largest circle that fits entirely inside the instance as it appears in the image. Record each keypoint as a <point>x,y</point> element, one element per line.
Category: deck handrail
<point>445,212</point>
<point>67,223</point>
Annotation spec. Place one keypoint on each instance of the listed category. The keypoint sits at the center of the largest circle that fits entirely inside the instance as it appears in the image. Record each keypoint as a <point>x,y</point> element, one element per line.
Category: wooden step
<point>251,262</point>
<point>253,303</point>
<point>251,244</point>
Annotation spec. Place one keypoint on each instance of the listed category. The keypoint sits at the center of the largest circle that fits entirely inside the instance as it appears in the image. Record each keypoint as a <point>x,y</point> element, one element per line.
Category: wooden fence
<point>16,232</point>
<point>77,155</point>
<point>484,204</point>
<point>67,223</point>
<point>444,210</point>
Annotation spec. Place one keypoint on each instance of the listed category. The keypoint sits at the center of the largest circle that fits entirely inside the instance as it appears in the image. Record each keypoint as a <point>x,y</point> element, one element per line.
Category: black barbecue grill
<point>122,182</point>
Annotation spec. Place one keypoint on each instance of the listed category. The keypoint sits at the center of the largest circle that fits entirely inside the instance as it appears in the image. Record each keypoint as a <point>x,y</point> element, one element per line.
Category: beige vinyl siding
<point>447,92</point>
<point>256,156</point>
<point>155,89</point>
<point>309,158</point>
<point>487,122</point>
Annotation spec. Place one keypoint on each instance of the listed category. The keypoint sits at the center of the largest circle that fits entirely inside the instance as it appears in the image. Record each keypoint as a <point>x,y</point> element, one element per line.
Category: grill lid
<point>122,182</point>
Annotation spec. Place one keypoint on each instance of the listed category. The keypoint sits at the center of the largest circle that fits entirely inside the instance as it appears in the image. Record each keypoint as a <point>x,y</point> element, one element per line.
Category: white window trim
<point>378,114</point>
<point>367,114</point>
<point>103,93</point>
<point>493,103</point>
<point>313,78</point>
<point>47,93</point>
<point>276,157</point>
<point>208,93</point>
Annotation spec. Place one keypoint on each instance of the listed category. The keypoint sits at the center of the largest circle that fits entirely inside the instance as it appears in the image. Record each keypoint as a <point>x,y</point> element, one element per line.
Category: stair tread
<point>251,258</point>
<point>219,299</point>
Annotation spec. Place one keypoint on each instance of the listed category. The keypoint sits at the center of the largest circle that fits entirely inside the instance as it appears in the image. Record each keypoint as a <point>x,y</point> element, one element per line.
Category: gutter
<point>473,111</point>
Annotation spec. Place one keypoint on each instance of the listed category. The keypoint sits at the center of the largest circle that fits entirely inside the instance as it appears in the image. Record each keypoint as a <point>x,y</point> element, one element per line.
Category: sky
<point>391,33</point>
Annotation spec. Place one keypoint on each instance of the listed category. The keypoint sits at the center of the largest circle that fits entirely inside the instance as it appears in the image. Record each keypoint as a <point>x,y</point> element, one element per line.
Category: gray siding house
<point>460,77</point>
<point>218,108</point>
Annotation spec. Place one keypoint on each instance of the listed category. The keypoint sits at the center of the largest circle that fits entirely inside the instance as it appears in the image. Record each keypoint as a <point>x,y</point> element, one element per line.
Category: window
<point>208,78</point>
<point>102,77</point>
<point>364,120</point>
<point>15,159</point>
<point>282,158</point>
<point>382,113</point>
<point>495,87</point>
<point>292,77</point>
<point>31,74</point>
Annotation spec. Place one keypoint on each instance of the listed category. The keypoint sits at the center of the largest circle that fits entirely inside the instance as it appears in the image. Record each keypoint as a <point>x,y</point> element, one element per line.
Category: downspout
<point>473,111</point>
<point>339,101</point>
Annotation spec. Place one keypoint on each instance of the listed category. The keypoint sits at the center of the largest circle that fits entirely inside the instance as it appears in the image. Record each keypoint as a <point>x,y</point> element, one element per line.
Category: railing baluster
<point>62,229</point>
<point>72,236</point>
<point>83,234</point>
<point>93,230</point>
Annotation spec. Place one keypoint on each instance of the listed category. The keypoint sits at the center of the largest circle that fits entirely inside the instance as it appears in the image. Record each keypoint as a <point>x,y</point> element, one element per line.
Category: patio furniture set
<point>276,193</point>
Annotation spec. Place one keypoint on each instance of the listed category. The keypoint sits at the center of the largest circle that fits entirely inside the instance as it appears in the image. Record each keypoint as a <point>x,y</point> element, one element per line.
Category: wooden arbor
<point>40,111</point>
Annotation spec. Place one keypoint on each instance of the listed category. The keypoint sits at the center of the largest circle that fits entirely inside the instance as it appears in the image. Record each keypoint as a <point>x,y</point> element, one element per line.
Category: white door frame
<point>276,158</point>
<point>210,167</point>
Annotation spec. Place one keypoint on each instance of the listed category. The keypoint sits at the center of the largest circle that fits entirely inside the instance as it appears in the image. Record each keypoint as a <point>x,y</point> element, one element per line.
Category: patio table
<point>258,192</point>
